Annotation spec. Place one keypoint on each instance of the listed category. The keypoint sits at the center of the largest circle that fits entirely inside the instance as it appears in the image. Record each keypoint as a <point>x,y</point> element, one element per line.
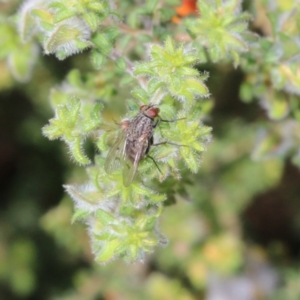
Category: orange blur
<point>187,8</point>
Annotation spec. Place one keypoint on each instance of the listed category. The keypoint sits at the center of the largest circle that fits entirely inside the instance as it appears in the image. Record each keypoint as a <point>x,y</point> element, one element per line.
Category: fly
<point>133,143</point>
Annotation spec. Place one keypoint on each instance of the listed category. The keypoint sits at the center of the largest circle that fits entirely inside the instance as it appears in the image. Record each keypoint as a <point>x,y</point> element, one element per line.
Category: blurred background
<point>234,235</point>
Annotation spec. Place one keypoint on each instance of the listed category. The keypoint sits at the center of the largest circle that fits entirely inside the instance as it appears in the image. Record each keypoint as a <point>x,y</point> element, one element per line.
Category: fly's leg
<point>166,121</point>
<point>156,123</point>
<point>155,163</point>
<point>162,143</point>
<point>170,143</point>
<point>171,121</point>
<point>151,142</point>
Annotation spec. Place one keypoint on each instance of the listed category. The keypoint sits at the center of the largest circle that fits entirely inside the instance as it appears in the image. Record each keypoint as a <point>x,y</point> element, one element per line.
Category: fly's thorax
<point>137,149</point>
<point>139,126</point>
<point>139,137</point>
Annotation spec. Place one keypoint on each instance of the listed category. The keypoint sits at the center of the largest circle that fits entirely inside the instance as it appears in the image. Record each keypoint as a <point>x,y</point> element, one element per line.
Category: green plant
<point>126,55</point>
<point>123,220</point>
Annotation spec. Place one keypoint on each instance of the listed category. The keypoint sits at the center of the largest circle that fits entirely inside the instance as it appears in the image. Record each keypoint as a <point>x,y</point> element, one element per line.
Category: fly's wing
<point>130,168</point>
<point>117,155</point>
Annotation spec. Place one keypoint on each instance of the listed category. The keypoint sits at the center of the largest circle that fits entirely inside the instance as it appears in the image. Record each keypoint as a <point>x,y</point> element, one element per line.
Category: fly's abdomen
<point>137,148</point>
<point>131,149</point>
<point>139,137</point>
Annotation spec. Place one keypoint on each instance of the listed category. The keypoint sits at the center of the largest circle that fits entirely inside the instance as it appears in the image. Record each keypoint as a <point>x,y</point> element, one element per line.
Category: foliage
<point>108,59</point>
<point>222,29</point>
<point>171,76</point>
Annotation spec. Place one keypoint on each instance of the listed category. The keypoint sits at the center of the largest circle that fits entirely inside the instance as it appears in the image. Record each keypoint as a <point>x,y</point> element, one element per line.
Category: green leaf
<point>278,106</point>
<point>101,41</point>
<point>246,92</point>
<point>74,78</point>
<point>80,214</point>
<point>112,33</point>
<point>97,59</point>
<point>96,6</point>
<point>190,159</point>
<point>43,15</point>
<point>236,58</point>
<point>63,40</point>
<point>77,151</point>
<point>108,250</point>
<point>104,217</point>
<point>63,15</point>
<point>190,72</point>
<point>21,63</point>
<point>151,5</point>
<point>154,84</point>
<point>57,5</point>
<point>143,69</point>
<point>169,46</point>
<point>121,63</point>
<point>221,28</point>
<point>196,87</point>
<point>140,93</point>
<point>81,45</point>
<point>92,20</point>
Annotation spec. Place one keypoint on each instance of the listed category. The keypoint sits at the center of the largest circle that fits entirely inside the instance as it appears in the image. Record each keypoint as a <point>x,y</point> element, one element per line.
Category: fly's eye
<point>152,112</point>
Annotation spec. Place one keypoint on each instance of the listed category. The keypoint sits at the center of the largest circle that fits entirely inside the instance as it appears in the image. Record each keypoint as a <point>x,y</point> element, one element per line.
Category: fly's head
<point>149,111</point>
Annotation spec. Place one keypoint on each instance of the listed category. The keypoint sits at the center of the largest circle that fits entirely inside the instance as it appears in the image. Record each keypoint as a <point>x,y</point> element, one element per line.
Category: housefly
<point>133,143</point>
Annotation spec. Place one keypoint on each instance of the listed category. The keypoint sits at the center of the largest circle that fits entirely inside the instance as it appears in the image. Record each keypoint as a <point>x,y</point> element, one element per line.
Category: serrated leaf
<point>96,6</point>
<point>121,63</point>
<point>143,69</point>
<point>189,158</point>
<point>221,28</point>
<point>46,26</point>
<point>97,59</point>
<point>112,33</point>
<point>21,63</point>
<point>154,84</point>
<point>43,15</point>
<point>62,35</point>
<point>156,198</point>
<point>81,45</point>
<point>77,152</point>
<point>196,87</point>
<point>57,5</point>
<point>92,20</point>
<point>74,78</point>
<point>187,71</point>
<point>140,93</point>
<point>80,214</point>
<point>108,250</point>
<point>165,152</point>
<point>169,45</point>
<point>102,43</point>
<point>51,132</point>
<point>104,217</point>
<point>90,125</point>
<point>236,43</point>
<point>63,15</point>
